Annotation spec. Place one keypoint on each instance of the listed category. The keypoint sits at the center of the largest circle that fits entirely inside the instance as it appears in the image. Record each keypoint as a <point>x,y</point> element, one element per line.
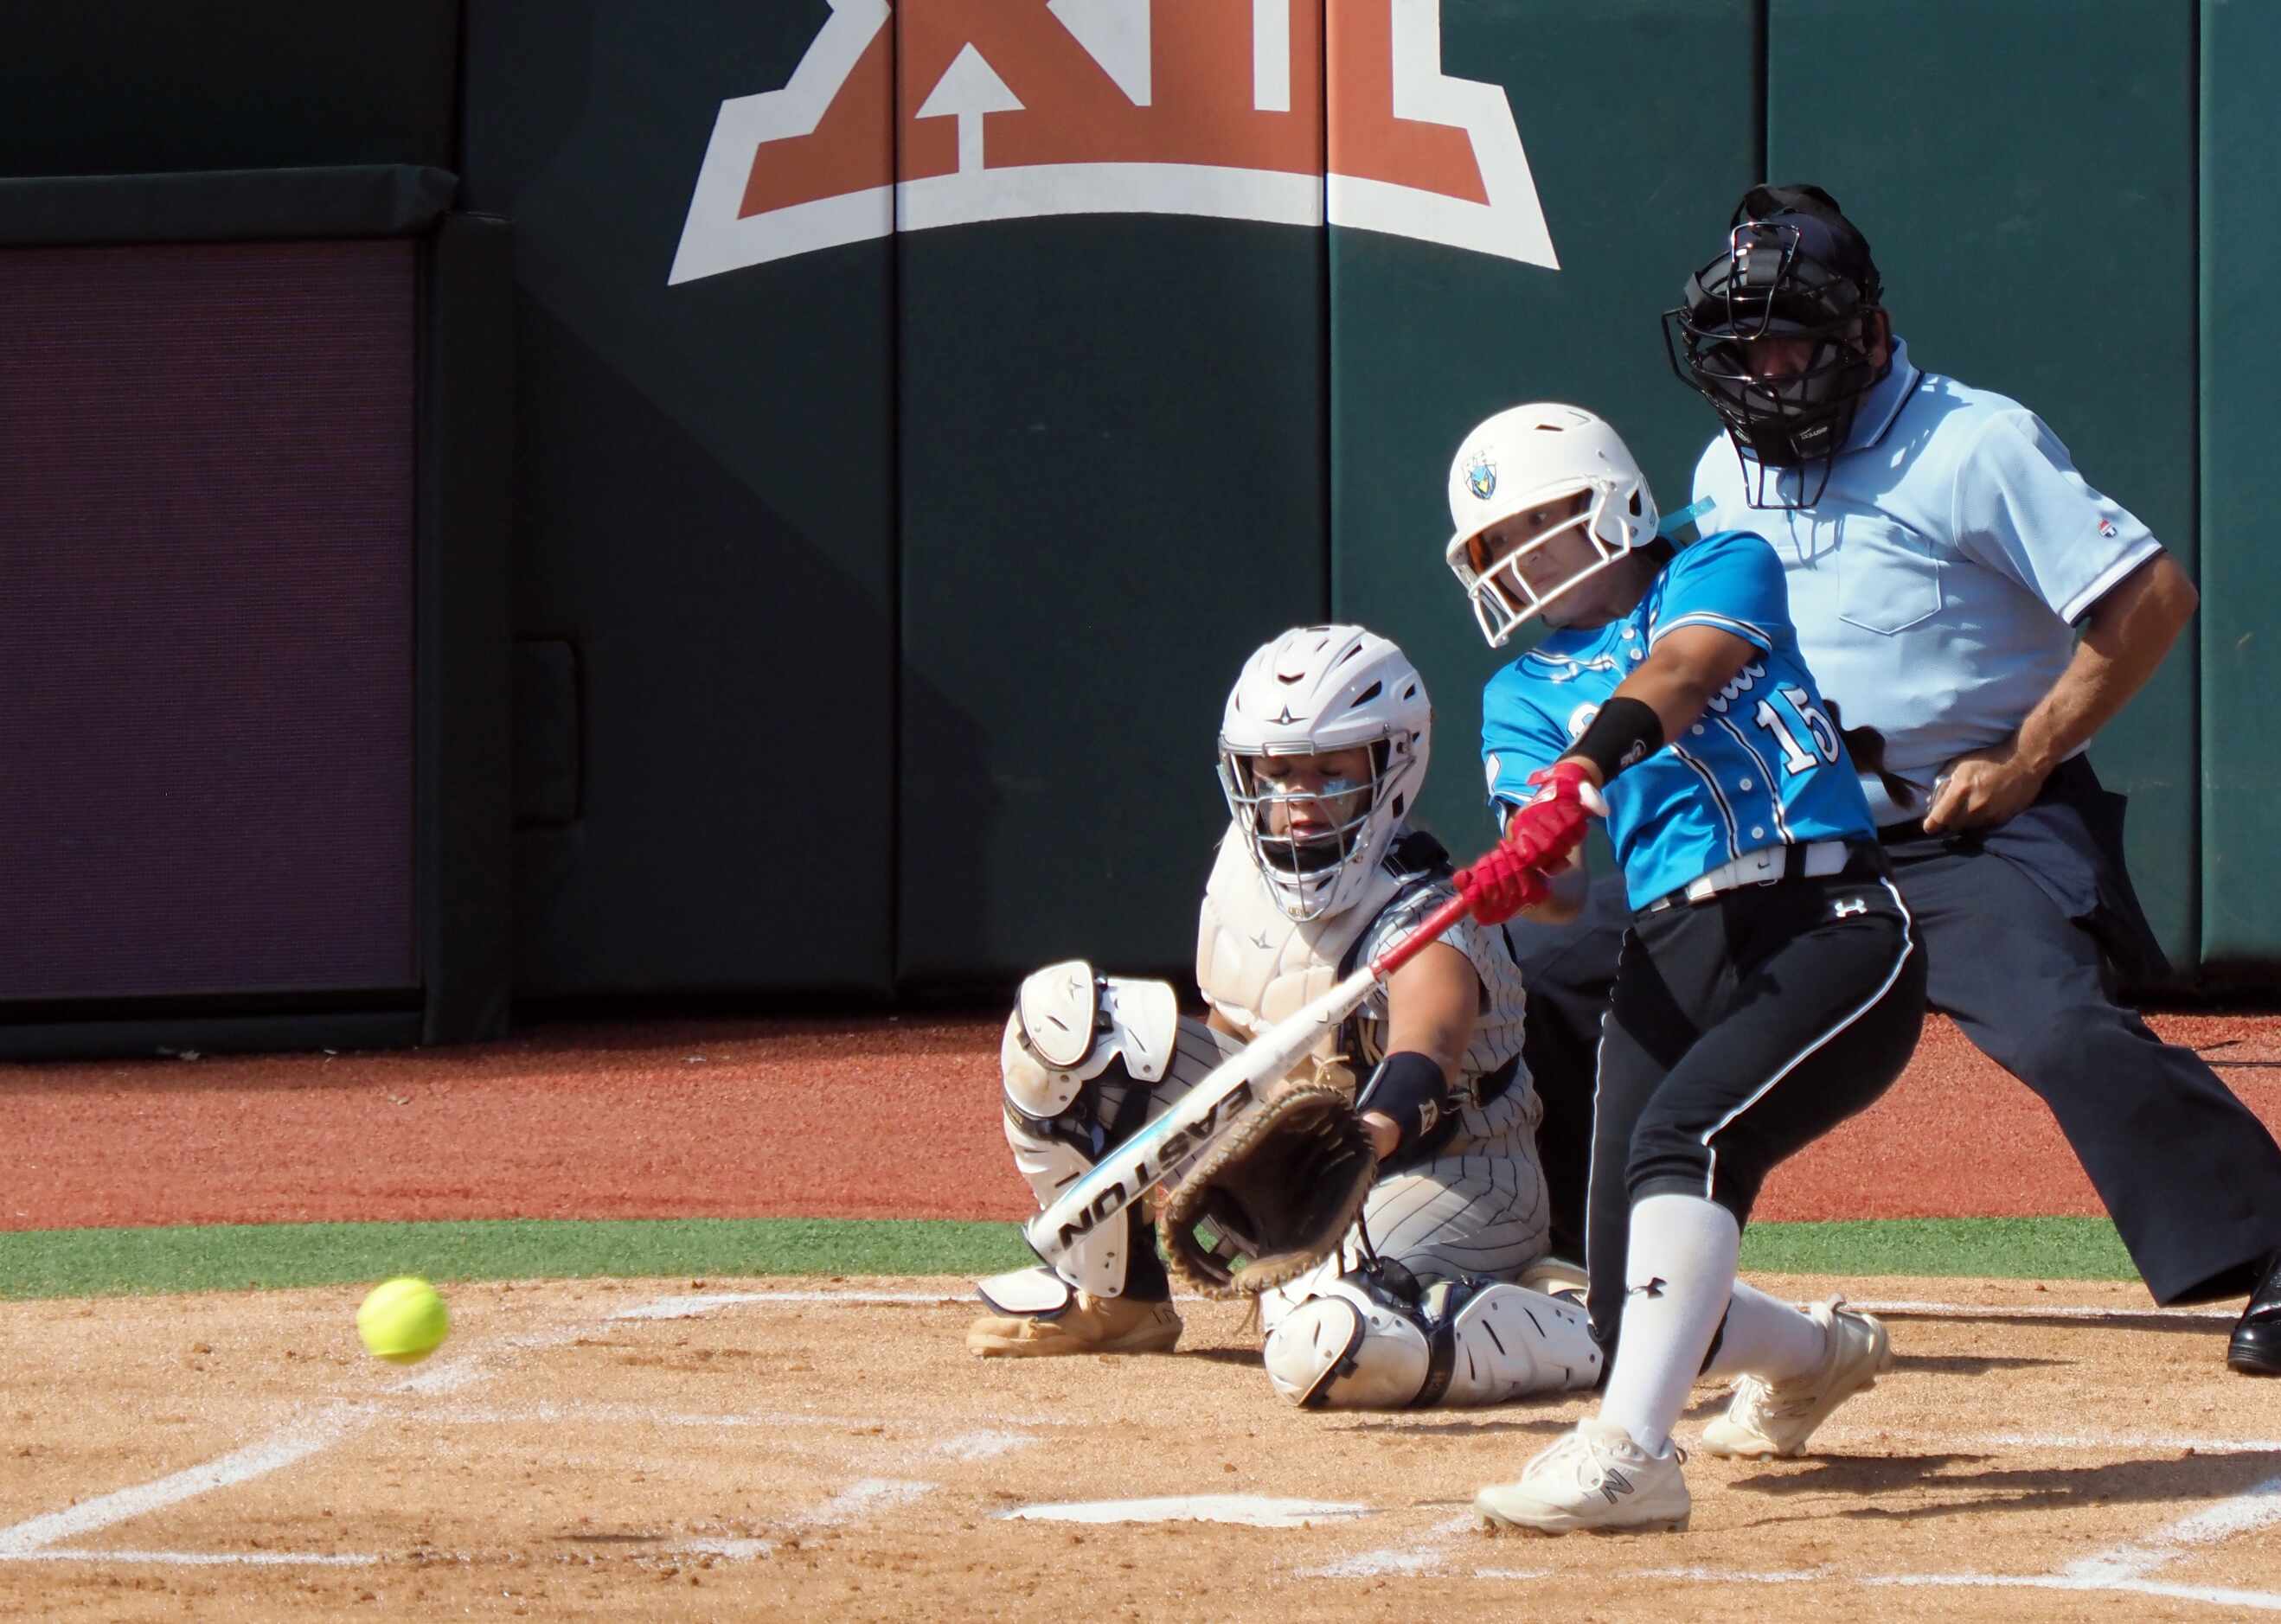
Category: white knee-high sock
<point>1766,1337</point>
<point>1680,1272</point>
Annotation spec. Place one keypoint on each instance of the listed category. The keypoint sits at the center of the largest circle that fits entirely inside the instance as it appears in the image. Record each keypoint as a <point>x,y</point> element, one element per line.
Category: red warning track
<point>883,1118</point>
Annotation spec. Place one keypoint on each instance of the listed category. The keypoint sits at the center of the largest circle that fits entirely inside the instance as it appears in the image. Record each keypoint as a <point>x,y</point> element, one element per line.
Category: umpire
<point>1941,553</point>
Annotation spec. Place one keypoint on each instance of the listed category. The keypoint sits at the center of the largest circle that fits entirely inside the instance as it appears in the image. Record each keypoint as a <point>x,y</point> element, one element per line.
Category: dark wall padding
<point>706,511</point>
<point>228,205</point>
<point>2241,567</point>
<point>2026,177</point>
<point>134,86</point>
<point>1426,340</point>
<point>1112,493</point>
<point>466,443</point>
<point>207,636</point>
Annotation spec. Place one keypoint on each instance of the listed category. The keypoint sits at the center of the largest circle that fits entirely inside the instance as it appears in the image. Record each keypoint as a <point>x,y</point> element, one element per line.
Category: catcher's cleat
<point>1777,1418</point>
<point>1596,1479</point>
<point>1086,1324</point>
<point>1554,1276</point>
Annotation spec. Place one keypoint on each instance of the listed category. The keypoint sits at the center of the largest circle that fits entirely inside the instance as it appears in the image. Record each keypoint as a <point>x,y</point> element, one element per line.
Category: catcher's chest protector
<point>1255,964</point>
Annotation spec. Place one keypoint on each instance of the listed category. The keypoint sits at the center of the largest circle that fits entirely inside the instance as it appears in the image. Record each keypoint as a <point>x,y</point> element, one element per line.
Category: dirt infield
<point>766,1119</point>
<point>676,1450</point>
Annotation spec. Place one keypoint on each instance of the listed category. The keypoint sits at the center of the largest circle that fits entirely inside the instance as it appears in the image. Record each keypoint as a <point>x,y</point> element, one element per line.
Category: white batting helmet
<point>1313,690</point>
<point>1532,457</point>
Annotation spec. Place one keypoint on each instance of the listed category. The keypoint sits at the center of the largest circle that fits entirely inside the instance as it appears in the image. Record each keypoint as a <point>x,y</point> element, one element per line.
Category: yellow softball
<point>402,1321</point>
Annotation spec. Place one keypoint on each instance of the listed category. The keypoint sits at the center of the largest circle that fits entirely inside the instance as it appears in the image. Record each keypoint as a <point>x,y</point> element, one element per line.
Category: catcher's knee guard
<point>1069,1028</point>
<point>1362,1343</point>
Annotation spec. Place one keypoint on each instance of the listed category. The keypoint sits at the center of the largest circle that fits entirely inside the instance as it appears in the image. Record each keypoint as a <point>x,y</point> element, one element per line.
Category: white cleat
<point>1777,1418</point>
<point>1596,1479</point>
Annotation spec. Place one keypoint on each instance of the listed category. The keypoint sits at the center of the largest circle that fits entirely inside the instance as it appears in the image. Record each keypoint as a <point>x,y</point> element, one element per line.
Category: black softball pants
<point>1740,1030</point>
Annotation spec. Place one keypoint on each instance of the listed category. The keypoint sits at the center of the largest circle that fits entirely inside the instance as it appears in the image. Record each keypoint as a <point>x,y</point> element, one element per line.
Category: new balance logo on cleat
<point>1851,905</point>
<point>1595,1480</point>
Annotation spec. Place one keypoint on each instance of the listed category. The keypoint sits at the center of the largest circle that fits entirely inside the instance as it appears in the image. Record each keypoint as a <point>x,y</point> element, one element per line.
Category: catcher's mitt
<point>1272,1197</point>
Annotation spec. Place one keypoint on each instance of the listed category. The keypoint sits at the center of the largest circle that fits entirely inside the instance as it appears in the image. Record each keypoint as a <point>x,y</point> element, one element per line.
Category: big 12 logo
<point>907,115</point>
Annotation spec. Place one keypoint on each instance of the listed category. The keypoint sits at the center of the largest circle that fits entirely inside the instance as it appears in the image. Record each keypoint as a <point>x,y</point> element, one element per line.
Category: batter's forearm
<point>1685,672</point>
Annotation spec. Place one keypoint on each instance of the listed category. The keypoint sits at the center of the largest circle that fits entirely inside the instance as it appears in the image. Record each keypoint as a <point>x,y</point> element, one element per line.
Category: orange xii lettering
<point>904,115</point>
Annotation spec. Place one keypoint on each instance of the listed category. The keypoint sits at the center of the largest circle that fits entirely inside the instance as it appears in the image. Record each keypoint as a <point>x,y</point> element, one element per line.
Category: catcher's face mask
<point>1304,815</point>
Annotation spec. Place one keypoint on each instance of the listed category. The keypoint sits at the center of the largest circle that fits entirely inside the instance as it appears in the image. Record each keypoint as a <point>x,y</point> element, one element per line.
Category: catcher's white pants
<point>1477,1206</point>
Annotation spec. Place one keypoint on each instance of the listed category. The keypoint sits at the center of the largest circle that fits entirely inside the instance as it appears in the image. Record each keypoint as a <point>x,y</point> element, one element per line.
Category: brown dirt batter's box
<point>662,1450</point>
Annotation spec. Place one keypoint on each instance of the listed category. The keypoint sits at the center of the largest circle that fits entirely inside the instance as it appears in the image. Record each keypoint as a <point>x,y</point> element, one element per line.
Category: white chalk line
<point>2040,1311</point>
<point>2242,1513</point>
<point>859,1499</point>
<point>692,1308</point>
<point>2262,1601</point>
<point>2113,1443</point>
<point>202,1559</point>
<point>695,1306</point>
<point>730,1549</point>
<point>1424,1555</point>
<point>2216,1596</point>
<point>297,1441</point>
<point>300,1439</point>
<point>2122,1568</point>
<point>1240,1510</point>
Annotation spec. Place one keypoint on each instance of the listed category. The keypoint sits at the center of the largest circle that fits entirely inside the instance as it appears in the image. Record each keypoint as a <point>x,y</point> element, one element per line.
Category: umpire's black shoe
<point>2255,1350</point>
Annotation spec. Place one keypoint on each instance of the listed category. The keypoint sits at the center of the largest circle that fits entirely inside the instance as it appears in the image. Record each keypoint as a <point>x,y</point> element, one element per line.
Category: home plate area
<point>787,1448</point>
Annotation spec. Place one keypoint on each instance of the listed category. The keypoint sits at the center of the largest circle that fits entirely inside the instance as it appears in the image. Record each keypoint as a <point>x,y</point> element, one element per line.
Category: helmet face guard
<point>1303,869</point>
<point>1768,285</point>
<point>1502,597</point>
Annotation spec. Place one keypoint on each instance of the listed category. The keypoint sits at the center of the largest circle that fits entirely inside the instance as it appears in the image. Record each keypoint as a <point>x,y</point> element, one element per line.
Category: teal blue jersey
<point>1763,766</point>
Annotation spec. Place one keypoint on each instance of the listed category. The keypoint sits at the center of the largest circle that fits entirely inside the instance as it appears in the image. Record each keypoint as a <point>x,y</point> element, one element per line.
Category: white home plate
<point>1250,1511</point>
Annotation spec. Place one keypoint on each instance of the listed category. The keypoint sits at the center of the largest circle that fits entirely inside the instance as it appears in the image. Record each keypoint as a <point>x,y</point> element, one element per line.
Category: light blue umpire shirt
<point>1936,582</point>
<point>1762,766</point>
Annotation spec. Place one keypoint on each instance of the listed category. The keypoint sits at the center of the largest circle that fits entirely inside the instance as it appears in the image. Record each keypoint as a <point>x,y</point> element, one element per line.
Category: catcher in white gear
<point>1322,752</point>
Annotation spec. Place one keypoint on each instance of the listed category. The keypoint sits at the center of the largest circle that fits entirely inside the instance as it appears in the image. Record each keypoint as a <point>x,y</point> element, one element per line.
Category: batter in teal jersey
<point>1762,766</point>
<point>1769,985</point>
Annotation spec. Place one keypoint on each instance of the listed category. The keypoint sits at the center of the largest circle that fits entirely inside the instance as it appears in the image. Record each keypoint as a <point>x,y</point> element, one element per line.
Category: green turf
<point>234,1257</point>
<point>2004,1248</point>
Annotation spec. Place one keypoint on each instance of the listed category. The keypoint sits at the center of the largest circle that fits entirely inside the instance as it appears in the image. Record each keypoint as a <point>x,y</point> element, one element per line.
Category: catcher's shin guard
<point>1071,1035</point>
<point>1354,1344</point>
<point>1360,1344</point>
<point>1511,1341</point>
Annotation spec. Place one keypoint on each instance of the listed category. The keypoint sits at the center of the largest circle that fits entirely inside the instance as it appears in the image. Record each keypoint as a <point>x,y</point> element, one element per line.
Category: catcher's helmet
<point>1794,266</point>
<point>1312,691</point>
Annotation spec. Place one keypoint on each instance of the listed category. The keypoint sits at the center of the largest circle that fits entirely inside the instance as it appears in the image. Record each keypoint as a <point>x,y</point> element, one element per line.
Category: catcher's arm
<point>1431,1005</point>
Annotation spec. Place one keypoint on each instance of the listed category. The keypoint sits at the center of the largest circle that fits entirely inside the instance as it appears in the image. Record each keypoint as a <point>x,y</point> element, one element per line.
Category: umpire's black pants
<point>2190,1176</point>
<point>1741,1029</point>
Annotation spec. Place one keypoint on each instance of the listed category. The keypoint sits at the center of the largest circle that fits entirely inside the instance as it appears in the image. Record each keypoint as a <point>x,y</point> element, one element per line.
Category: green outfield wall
<point>920,406</point>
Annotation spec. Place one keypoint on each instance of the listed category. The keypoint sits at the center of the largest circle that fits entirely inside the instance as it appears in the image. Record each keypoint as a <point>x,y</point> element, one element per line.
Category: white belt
<point>1763,867</point>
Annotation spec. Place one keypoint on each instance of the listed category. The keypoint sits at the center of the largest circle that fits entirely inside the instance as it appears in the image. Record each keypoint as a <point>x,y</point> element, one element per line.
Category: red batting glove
<point>1539,839</point>
<point>1500,884</point>
<point>1548,830</point>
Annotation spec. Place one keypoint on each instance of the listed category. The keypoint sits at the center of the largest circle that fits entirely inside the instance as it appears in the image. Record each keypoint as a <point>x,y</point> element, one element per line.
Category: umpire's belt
<point>1767,865</point>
